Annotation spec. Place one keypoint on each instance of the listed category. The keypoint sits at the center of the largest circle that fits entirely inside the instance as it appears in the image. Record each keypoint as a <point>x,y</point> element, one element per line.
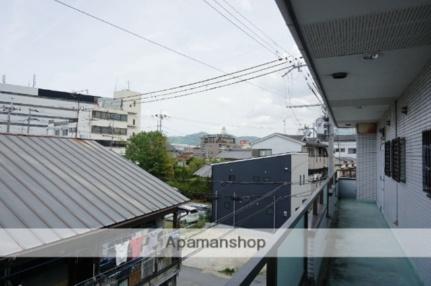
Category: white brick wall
<point>406,203</point>
<point>366,167</point>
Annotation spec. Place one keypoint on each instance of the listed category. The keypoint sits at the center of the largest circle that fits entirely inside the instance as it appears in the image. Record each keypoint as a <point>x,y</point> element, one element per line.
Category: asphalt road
<point>190,276</point>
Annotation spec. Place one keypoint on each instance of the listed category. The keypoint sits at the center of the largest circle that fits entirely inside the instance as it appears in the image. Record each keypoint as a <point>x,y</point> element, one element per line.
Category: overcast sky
<point>70,52</point>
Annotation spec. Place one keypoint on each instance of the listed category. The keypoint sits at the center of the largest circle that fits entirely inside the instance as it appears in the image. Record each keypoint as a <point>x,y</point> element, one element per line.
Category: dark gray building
<point>258,192</point>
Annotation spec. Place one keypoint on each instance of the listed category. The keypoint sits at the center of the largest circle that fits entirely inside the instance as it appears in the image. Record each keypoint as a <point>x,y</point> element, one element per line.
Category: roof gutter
<point>287,11</point>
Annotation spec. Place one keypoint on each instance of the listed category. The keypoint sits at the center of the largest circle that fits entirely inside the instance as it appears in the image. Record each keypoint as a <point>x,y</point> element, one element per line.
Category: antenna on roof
<point>3,78</point>
<point>34,81</point>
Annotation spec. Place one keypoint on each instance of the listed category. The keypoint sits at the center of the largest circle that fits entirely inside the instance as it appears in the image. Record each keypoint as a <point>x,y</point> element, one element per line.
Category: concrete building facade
<point>36,111</point>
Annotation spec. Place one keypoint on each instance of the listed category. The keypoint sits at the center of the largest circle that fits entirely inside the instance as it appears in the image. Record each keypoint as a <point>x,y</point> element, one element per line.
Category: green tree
<point>149,151</point>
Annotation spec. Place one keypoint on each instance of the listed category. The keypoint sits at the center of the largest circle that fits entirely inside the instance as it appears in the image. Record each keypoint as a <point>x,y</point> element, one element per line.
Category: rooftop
<point>53,182</point>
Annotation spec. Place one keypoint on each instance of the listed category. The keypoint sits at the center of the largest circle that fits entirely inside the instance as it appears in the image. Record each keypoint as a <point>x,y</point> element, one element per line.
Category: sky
<point>71,52</point>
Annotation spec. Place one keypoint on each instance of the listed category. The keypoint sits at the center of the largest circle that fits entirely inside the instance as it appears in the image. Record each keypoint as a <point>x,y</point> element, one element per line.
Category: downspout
<point>396,184</point>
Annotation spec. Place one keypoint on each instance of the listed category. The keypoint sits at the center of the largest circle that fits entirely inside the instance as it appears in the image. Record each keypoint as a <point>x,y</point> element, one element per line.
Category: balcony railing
<point>314,213</point>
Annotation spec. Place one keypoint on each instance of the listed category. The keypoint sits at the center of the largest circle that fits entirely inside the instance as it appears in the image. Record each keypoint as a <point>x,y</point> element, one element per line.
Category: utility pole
<point>330,146</point>
<point>160,117</point>
<point>9,109</point>
<point>29,119</point>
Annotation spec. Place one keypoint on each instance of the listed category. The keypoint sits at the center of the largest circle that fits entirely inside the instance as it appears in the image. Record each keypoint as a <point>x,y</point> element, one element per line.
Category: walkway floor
<point>367,271</point>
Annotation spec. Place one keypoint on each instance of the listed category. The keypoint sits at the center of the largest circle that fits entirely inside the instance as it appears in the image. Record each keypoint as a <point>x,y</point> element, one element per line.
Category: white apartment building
<point>36,111</point>
<point>345,146</point>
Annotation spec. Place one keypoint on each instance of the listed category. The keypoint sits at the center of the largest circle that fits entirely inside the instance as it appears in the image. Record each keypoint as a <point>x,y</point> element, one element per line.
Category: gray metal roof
<point>235,154</point>
<point>53,182</point>
<point>204,171</point>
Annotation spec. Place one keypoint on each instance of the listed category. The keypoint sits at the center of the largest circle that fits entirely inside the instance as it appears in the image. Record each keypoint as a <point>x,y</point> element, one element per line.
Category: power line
<point>150,41</point>
<point>255,26</point>
<point>240,28</point>
<point>204,85</point>
<point>130,32</point>
<point>269,44</point>
<point>303,105</point>
<point>205,80</point>
<point>212,88</point>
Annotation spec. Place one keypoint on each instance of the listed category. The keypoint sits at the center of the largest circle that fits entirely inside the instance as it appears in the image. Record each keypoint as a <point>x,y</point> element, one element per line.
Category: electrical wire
<point>241,29</point>
<point>269,44</point>
<point>202,81</point>
<point>255,26</point>
<point>212,88</point>
<point>139,36</point>
<point>130,32</point>
<point>204,85</point>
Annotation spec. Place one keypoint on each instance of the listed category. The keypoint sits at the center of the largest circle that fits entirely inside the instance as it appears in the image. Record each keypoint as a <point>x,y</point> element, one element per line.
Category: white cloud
<point>69,51</point>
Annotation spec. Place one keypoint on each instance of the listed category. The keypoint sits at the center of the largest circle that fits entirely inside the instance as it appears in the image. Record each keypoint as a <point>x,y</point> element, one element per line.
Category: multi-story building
<point>36,111</point>
<point>279,178</point>
<point>345,146</point>
<point>278,143</point>
<point>212,144</point>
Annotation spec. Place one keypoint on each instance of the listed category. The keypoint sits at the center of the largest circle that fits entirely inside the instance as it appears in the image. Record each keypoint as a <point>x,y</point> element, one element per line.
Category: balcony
<point>333,205</point>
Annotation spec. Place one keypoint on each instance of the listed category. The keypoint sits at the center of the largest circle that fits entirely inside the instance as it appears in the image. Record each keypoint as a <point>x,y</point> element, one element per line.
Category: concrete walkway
<point>367,271</point>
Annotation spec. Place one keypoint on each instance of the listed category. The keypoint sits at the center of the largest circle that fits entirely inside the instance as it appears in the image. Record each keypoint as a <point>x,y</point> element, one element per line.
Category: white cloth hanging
<point>121,250</point>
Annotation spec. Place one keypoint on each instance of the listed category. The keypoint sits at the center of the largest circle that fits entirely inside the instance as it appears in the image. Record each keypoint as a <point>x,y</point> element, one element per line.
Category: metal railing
<point>314,213</point>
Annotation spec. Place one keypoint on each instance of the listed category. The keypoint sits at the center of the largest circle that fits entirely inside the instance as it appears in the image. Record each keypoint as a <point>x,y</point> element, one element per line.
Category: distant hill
<point>195,138</point>
<point>190,139</point>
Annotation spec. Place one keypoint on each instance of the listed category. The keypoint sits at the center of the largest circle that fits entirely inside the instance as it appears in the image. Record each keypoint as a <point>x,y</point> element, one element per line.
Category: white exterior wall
<point>300,187</point>
<point>405,205</point>
<point>366,167</point>
<point>87,121</point>
<point>133,108</point>
<point>24,98</point>
<point>278,145</point>
<point>346,146</point>
<point>63,112</point>
<point>414,207</point>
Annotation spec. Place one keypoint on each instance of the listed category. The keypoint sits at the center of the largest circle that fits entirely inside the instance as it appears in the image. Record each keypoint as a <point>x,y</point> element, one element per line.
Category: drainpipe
<point>330,147</point>
<point>396,184</point>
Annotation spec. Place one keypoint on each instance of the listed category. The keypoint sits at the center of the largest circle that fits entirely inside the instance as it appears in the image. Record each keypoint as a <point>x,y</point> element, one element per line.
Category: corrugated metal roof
<point>235,154</point>
<point>53,182</point>
<point>204,171</point>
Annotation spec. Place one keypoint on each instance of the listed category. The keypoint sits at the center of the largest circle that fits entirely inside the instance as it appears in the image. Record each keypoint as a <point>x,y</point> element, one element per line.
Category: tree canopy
<point>149,150</point>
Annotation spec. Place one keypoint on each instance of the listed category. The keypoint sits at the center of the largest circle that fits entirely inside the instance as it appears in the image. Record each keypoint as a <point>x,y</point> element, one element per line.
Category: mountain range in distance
<point>195,138</point>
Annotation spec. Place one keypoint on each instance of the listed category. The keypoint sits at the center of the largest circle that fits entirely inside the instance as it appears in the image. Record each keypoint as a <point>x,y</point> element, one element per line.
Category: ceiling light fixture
<point>339,75</point>
<point>371,56</point>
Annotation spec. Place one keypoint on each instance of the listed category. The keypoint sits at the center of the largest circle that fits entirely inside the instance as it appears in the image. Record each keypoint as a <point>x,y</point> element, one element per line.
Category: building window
<point>426,161</point>
<point>398,158</point>
<point>64,132</point>
<point>133,121</point>
<point>388,158</point>
<point>231,178</point>
<point>109,116</point>
<point>108,130</point>
<point>351,151</point>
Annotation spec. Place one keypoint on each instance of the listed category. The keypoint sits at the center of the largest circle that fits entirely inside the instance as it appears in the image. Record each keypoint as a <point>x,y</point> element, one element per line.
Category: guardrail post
<point>305,277</point>
<point>271,271</point>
